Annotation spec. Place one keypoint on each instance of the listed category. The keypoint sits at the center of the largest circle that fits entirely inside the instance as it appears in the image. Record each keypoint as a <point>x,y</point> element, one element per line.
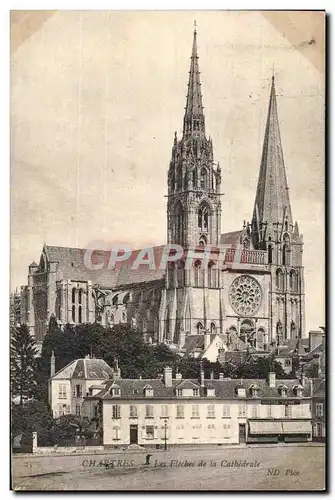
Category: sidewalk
<point>81,452</point>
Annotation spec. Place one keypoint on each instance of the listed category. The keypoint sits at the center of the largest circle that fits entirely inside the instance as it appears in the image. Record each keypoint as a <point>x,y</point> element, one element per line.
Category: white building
<point>224,411</point>
<point>78,379</point>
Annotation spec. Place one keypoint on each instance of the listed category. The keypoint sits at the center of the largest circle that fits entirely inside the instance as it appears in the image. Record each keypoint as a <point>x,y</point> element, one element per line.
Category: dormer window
<point>298,390</point>
<point>254,390</point>
<point>241,392</point>
<point>196,392</point>
<point>148,391</point>
<point>179,392</point>
<point>115,391</point>
<point>210,391</point>
<point>282,390</point>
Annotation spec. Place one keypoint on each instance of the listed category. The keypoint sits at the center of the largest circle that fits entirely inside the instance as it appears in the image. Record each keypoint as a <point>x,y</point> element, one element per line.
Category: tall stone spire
<point>194,119</point>
<point>194,183</point>
<point>272,204</point>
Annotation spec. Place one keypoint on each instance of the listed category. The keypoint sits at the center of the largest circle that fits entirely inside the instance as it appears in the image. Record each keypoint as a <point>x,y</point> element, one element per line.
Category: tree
<point>23,352</point>
<point>259,368</point>
<point>34,416</point>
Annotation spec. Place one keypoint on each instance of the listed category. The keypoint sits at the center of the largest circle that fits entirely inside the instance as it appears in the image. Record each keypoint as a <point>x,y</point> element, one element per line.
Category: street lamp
<point>165,438</point>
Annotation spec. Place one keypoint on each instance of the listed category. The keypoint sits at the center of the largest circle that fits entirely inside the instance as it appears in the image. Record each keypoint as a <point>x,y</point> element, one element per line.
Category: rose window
<point>245,295</point>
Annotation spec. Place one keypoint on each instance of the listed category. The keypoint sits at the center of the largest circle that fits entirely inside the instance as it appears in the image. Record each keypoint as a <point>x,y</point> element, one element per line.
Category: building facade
<point>246,286</point>
<point>173,411</point>
<point>319,413</point>
<point>70,385</point>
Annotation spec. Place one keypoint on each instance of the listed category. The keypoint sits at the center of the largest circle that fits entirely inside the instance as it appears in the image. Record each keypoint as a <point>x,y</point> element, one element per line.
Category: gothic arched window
<point>203,179</point>
<point>179,223</point>
<point>199,328</point>
<point>213,328</point>
<point>212,275</point>
<point>280,279</point>
<point>180,179</point>
<point>293,281</point>
<point>269,254</point>
<point>74,305</point>
<point>115,301</point>
<point>286,251</point>
<point>126,298</point>
<point>293,330</point>
<point>198,274</point>
<point>231,334</point>
<point>279,332</point>
<point>171,274</point>
<point>194,178</point>
<point>181,273</point>
<point>203,217</point>
<point>213,186</point>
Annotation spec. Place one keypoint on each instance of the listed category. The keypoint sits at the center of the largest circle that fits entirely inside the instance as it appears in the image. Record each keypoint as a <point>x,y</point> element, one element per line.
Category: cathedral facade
<point>247,285</point>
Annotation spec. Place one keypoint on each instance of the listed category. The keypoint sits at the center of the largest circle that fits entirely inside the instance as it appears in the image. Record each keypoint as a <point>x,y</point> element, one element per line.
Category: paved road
<point>268,468</point>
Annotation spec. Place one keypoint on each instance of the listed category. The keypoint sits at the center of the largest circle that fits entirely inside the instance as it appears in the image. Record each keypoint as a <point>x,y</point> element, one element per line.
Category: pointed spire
<point>272,196</point>
<point>194,120</point>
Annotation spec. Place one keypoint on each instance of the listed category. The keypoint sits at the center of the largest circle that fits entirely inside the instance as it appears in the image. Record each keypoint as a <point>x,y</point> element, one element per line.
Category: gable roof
<point>193,342</point>
<point>85,369</point>
<point>72,265</point>
<point>319,387</point>
<point>230,238</point>
<point>317,351</point>
<point>187,384</point>
<point>224,389</point>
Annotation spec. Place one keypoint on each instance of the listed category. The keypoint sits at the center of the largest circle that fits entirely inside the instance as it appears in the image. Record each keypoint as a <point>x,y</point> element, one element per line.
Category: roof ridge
<point>66,366</point>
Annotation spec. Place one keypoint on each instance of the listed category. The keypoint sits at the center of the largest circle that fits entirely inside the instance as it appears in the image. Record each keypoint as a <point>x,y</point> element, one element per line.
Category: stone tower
<point>194,207</point>
<point>273,230</point>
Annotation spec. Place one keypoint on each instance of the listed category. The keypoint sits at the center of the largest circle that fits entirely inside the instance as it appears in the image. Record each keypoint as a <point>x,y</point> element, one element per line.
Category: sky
<point>96,98</point>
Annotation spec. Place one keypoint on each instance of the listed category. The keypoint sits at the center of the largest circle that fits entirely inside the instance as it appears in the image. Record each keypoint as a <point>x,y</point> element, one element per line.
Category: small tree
<point>23,352</point>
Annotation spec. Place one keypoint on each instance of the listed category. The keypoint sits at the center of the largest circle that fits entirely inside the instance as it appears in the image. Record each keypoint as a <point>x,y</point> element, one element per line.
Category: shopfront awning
<point>297,427</point>
<point>269,427</point>
<point>265,427</point>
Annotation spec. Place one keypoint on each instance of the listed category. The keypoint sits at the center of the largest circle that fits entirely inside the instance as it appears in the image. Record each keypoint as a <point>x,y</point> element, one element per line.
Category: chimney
<point>315,339</point>
<point>221,377</point>
<point>202,376</point>
<point>178,376</point>
<point>167,375</point>
<point>212,375</point>
<point>272,379</point>
<point>207,340</point>
<point>117,371</point>
<point>52,365</point>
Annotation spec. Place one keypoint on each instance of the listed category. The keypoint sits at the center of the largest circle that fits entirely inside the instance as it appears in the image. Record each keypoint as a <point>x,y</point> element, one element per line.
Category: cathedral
<point>249,290</point>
